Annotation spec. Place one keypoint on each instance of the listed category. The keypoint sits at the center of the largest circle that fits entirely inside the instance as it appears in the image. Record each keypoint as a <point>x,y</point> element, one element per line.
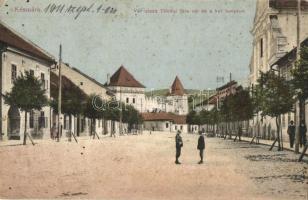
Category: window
<point>67,122</point>
<point>181,127</point>
<point>43,80</point>
<point>64,124</point>
<point>31,72</point>
<point>167,125</point>
<point>31,119</point>
<point>176,128</point>
<point>127,100</point>
<point>81,83</point>
<point>13,73</point>
<point>261,47</point>
<point>134,101</point>
<point>82,125</point>
<point>42,120</point>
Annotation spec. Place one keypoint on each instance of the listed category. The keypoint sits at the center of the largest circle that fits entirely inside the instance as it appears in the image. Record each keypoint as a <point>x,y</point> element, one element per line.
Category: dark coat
<point>302,129</point>
<point>201,143</point>
<point>291,130</point>
<point>178,141</point>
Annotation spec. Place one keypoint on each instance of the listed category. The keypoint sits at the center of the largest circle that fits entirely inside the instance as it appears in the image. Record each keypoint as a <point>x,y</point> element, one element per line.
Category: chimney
<point>108,79</point>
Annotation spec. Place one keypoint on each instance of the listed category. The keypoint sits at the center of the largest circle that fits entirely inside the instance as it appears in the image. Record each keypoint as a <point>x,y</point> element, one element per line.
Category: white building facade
<point>274,35</point>
<point>18,55</point>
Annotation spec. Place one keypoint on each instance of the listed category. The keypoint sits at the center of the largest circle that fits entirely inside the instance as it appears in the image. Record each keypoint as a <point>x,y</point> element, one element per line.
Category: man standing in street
<point>201,146</point>
<point>302,132</point>
<point>291,133</point>
<point>178,146</point>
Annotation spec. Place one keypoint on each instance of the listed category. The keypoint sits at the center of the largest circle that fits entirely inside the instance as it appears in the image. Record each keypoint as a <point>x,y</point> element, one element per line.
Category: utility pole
<point>208,109</point>
<point>60,95</point>
<point>298,118</point>
<point>120,124</point>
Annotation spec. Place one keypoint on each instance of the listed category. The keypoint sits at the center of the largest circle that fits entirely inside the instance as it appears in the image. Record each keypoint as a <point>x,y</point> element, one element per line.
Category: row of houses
<point>274,46</point>
<point>18,54</point>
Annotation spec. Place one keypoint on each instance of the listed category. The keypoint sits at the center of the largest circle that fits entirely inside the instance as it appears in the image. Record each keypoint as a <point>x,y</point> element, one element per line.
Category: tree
<point>193,118</point>
<point>277,98</point>
<point>300,83</point>
<point>131,116</point>
<point>226,111</point>
<point>242,108</point>
<point>257,95</point>
<point>243,105</point>
<point>27,94</point>
<point>93,109</point>
<point>73,98</point>
<point>236,108</point>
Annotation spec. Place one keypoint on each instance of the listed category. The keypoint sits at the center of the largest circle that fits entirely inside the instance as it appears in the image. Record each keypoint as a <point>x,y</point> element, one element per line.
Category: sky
<point>154,39</point>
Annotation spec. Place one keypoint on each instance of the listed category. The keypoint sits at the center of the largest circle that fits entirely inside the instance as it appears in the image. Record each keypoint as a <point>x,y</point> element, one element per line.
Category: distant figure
<point>112,133</point>
<point>302,132</point>
<point>201,146</point>
<point>54,131</point>
<point>291,133</point>
<point>178,146</point>
<point>240,132</point>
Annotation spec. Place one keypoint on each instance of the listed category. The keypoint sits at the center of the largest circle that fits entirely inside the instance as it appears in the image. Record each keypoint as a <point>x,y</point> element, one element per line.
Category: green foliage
<point>300,75</point>
<point>111,111</point>
<point>27,93</point>
<point>131,116</point>
<point>277,95</point>
<point>193,118</point>
<point>73,101</point>
<point>226,108</point>
<point>242,105</point>
<point>257,95</point>
<point>237,107</point>
<point>203,117</point>
<point>93,108</point>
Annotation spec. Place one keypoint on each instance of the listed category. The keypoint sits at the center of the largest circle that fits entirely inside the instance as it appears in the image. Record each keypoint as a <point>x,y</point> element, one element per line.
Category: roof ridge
<point>122,77</point>
<point>22,37</point>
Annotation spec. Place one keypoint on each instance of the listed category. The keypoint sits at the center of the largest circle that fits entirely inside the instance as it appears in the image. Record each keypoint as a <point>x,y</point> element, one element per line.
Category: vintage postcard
<point>154,99</point>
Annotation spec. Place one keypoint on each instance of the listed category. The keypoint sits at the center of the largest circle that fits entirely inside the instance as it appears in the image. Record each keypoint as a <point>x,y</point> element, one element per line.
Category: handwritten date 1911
<point>78,10</point>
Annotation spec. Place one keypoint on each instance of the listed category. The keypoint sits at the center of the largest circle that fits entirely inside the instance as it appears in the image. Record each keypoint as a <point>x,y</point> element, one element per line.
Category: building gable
<point>177,87</point>
<point>11,38</point>
<point>125,79</point>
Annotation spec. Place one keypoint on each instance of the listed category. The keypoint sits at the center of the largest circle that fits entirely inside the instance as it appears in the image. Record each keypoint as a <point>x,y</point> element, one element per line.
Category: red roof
<point>177,87</point>
<point>12,38</point>
<point>123,78</point>
<point>163,116</point>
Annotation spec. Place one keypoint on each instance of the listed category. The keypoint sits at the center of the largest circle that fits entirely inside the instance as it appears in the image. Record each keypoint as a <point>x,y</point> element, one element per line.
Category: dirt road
<point>142,167</point>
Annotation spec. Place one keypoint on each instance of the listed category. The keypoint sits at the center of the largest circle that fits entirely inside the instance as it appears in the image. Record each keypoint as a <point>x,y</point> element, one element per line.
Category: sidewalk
<point>63,139</point>
<point>286,145</point>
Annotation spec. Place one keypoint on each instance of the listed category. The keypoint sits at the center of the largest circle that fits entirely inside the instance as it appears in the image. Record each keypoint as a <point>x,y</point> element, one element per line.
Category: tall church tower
<point>274,33</point>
